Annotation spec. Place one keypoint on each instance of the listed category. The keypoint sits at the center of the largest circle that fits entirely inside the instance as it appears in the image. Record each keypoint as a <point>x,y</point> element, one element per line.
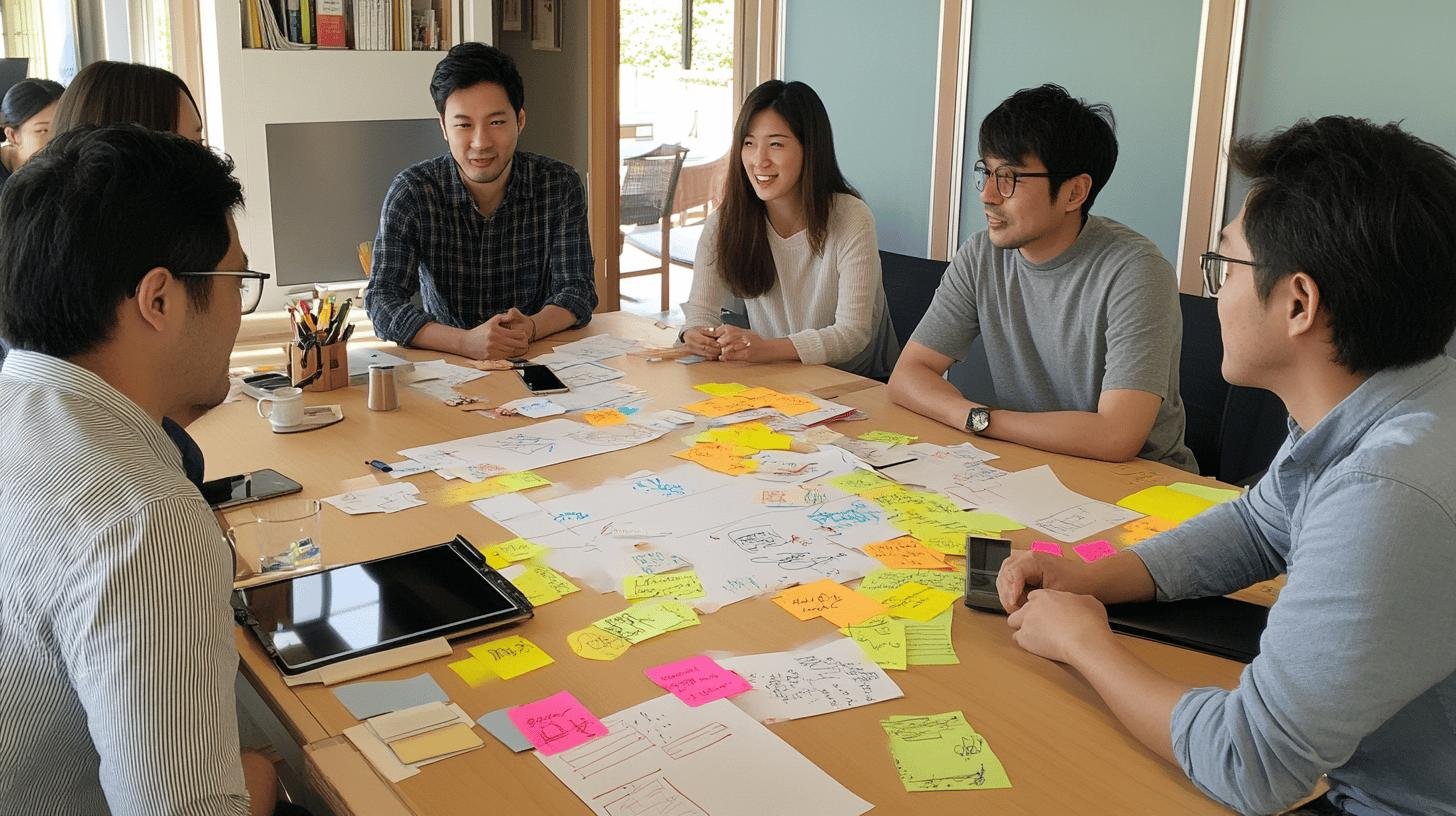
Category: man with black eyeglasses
<point>1079,314</point>
<point>1336,290</point>
<point>122,283</point>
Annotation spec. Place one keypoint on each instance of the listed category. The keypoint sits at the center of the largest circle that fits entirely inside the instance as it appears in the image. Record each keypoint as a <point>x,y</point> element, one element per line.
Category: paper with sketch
<point>544,443</point>
<point>940,468</point>
<point>1038,499</point>
<point>589,349</point>
<point>388,498</point>
<point>663,757</point>
<point>809,682</point>
<point>580,375</point>
<point>448,373</point>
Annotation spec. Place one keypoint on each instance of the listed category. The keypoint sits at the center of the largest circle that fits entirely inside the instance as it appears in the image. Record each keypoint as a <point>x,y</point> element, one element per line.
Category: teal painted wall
<point>874,63</point>
<point>1139,56</point>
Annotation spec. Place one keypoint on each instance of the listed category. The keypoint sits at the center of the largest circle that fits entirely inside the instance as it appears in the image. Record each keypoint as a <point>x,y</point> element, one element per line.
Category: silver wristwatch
<point>978,420</point>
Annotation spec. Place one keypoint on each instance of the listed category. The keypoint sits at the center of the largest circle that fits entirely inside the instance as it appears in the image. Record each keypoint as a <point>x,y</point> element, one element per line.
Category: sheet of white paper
<point>876,454</point>
<point>940,468</point>
<point>399,470</point>
<point>535,407</point>
<point>580,375</point>
<point>389,498</point>
<point>808,682</point>
<point>1037,498</point>
<point>591,349</point>
<point>663,757</point>
<point>449,373</point>
<point>601,395</point>
<point>545,443</point>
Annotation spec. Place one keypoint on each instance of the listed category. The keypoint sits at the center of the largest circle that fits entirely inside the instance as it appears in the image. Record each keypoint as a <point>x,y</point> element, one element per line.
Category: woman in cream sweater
<point>793,239</point>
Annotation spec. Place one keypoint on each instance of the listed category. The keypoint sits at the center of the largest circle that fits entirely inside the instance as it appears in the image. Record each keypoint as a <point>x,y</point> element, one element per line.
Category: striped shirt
<point>117,659</point>
<point>530,253</point>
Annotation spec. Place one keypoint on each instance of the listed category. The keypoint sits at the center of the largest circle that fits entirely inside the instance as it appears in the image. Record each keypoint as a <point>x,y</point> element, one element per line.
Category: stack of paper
<point>389,498</point>
<point>942,752</point>
<point>808,682</point>
<point>398,744</point>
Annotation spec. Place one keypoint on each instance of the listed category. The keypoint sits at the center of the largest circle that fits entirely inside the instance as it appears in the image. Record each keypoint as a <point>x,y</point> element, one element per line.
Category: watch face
<point>979,420</point>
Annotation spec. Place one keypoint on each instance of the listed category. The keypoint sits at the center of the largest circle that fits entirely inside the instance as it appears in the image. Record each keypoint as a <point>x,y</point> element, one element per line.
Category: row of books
<point>361,25</point>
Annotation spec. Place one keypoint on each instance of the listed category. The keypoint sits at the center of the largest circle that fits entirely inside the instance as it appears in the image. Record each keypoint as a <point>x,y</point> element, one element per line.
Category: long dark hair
<point>26,98</point>
<point>108,93</point>
<point>744,259</point>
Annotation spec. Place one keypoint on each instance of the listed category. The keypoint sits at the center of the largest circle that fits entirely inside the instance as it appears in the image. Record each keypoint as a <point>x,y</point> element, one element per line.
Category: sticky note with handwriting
<point>698,680</point>
<point>557,723</point>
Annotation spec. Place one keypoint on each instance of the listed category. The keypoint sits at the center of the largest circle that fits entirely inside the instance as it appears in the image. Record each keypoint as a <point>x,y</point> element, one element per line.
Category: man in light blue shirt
<point>1337,291</point>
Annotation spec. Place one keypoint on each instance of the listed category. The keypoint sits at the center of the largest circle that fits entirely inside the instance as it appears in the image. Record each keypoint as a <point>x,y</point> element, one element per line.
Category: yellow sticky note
<point>517,549</point>
<point>521,480</point>
<point>720,406</point>
<point>721,389</point>
<point>647,621</point>
<point>906,553</point>
<point>670,585</point>
<point>594,644</point>
<point>1143,528</point>
<point>754,435</point>
<point>928,643</point>
<point>917,601</point>
<point>834,602</point>
<point>473,672</point>
<point>1217,495</point>
<point>553,579</point>
<point>493,559</point>
<point>882,638</point>
<point>1165,502</point>
<point>888,436</point>
<point>883,580</point>
<point>536,590</point>
<point>605,417</point>
<point>942,752</point>
<point>717,458</point>
<point>451,739</point>
<point>511,656</point>
<point>860,481</point>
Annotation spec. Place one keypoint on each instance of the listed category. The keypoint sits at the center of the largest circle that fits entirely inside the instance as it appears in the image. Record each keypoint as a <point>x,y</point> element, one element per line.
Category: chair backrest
<point>650,184</point>
<point>1234,431</point>
<point>910,285</point>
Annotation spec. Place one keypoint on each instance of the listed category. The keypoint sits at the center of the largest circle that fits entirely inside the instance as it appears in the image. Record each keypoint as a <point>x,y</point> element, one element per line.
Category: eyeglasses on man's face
<point>1006,178</point>
<point>1215,269</point>
<point>250,283</point>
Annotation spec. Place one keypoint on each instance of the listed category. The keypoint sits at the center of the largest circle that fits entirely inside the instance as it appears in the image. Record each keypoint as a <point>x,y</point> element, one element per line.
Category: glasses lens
<point>980,173</point>
<point>1214,269</point>
<point>1005,181</point>
<point>252,292</point>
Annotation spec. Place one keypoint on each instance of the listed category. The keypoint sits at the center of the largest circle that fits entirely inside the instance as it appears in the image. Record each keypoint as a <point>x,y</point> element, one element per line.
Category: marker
<point>379,466</point>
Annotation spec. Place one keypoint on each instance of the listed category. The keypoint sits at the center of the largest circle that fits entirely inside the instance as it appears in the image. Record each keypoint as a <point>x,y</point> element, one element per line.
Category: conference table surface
<point>1061,746</point>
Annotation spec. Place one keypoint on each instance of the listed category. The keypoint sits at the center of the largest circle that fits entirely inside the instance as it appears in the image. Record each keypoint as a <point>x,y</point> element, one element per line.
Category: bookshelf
<point>248,89</point>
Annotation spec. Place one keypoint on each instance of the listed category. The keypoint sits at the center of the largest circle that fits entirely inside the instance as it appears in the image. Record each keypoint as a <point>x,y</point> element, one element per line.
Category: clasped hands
<point>727,343</point>
<point>1051,613</point>
<point>505,335</point>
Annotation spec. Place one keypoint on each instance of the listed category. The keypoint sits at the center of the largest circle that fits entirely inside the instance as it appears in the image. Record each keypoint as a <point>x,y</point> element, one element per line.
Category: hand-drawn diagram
<point>652,795</point>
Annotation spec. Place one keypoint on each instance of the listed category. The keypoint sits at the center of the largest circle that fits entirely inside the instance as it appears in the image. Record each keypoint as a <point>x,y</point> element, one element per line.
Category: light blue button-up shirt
<point>1356,675</point>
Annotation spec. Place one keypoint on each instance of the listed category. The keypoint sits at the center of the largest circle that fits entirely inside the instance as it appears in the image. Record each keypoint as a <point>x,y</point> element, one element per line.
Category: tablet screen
<point>316,619</point>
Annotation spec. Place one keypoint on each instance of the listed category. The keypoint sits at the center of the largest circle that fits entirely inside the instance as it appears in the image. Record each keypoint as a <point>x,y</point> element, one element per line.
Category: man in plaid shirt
<point>492,239</point>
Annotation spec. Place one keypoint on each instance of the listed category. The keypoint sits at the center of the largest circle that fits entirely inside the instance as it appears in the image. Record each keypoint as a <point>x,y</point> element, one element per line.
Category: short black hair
<point>26,98</point>
<point>89,216</point>
<point>1070,136</point>
<point>469,64</point>
<point>1369,213</point>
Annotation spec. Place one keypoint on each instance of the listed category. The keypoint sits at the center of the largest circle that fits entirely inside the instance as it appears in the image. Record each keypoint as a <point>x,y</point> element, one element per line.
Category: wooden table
<point>1063,749</point>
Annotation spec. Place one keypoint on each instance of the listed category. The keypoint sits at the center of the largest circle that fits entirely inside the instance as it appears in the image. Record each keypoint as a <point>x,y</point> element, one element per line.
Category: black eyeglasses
<point>1215,269</point>
<point>250,283</point>
<point>1006,178</point>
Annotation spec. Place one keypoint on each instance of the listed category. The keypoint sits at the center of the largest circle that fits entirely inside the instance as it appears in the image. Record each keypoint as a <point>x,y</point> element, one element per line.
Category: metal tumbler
<point>382,393</point>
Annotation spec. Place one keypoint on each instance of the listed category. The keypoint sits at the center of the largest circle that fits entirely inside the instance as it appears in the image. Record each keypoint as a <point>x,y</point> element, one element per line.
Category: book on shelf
<point>360,25</point>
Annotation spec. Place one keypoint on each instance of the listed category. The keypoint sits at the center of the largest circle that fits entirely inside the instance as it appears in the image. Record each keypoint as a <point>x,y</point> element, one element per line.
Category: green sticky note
<point>517,549</point>
<point>882,638</point>
<point>888,436</point>
<point>1217,495</point>
<point>884,580</point>
<point>860,481</point>
<point>929,643</point>
<point>917,602</point>
<point>670,585</point>
<point>942,752</point>
<point>524,480</point>
<point>1165,502</point>
<point>645,621</point>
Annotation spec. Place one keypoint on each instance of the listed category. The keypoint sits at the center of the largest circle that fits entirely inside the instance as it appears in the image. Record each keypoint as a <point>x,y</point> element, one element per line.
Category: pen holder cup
<point>304,364</point>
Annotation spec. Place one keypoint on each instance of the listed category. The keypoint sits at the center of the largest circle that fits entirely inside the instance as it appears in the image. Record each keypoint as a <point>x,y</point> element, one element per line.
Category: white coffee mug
<point>286,410</point>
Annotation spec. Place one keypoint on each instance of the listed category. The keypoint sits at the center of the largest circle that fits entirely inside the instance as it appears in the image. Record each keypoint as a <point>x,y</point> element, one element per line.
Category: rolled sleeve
<point>394,278</point>
<point>1356,636</point>
<point>573,286</point>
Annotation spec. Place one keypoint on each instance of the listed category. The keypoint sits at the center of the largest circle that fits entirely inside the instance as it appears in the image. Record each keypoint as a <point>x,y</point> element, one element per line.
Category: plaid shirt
<point>530,253</point>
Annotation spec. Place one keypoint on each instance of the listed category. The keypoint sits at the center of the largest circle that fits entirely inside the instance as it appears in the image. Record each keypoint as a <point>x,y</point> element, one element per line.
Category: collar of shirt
<point>1342,427</point>
<point>81,383</point>
<point>518,185</point>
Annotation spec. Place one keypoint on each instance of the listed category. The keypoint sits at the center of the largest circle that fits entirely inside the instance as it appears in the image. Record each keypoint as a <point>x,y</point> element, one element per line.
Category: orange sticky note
<point>906,553</point>
<point>791,404</point>
<point>1144,528</point>
<point>606,416</point>
<point>720,406</point>
<point>716,458</point>
<point>824,598</point>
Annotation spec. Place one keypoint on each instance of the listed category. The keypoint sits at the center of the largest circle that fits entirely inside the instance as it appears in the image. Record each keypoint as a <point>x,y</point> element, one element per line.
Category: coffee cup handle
<point>261,412</point>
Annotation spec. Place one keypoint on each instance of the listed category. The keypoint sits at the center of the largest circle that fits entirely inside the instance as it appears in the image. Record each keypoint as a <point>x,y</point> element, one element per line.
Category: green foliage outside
<point>652,39</point>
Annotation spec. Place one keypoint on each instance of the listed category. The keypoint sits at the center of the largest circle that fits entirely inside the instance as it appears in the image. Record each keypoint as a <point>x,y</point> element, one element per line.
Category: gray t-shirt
<point>1103,315</point>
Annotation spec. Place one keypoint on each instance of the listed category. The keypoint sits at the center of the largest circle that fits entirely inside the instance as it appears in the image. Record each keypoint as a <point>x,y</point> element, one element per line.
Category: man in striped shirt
<point>492,239</point>
<point>121,286</point>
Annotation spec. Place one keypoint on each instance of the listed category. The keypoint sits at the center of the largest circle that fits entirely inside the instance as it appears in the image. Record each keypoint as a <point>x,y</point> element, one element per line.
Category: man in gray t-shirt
<point>1078,313</point>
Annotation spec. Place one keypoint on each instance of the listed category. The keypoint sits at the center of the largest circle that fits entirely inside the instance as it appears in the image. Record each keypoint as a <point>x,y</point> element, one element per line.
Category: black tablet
<point>312,620</point>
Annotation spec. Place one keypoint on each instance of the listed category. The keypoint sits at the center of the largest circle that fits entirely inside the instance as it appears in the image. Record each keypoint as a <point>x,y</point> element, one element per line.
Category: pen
<point>379,465</point>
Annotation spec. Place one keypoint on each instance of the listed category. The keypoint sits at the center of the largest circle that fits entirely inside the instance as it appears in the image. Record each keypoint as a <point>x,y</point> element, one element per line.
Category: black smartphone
<point>231,491</point>
<point>983,561</point>
<point>540,379</point>
<point>260,385</point>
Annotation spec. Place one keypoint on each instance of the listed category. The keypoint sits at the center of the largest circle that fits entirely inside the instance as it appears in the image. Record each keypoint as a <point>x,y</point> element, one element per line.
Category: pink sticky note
<point>698,680</point>
<point>1047,547</point>
<point>556,723</point>
<point>1095,550</point>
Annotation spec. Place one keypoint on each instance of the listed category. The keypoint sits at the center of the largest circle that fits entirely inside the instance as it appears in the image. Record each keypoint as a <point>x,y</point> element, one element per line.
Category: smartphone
<point>983,561</point>
<point>231,491</point>
<point>258,386</point>
<point>540,379</point>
